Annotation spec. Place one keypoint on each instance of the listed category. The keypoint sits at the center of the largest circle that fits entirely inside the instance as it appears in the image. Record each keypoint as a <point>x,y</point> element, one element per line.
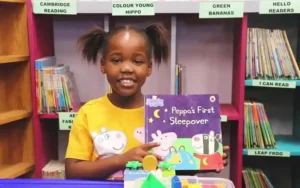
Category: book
<point>188,128</point>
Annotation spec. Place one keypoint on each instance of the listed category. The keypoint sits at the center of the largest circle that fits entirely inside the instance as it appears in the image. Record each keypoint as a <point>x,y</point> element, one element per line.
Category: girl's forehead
<point>128,39</point>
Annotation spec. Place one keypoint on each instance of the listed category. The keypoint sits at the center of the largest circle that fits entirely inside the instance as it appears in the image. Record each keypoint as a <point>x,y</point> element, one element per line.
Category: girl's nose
<point>126,67</point>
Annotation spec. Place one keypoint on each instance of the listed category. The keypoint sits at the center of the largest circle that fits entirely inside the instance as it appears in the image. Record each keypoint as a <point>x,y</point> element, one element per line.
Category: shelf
<point>250,83</point>
<point>226,110</point>
<point>13,58</point>
<point>12,1</point>
<point>48,116</point>
<point>284,144</point>
<point>13,115</point>
<point>104,6</point>
<point>229,111</point>
<point>16,170</point>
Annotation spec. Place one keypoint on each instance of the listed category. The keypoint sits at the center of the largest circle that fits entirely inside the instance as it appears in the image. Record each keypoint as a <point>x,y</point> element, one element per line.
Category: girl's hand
<point>138,153</point>
<point>225,156</point>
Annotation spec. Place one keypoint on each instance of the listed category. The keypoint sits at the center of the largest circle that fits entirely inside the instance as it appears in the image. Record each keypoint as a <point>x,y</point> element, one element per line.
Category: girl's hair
<point>96,41</point>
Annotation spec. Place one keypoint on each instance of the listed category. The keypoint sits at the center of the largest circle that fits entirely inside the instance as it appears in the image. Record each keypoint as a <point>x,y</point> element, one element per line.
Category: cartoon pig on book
<point>109,143</point>
<point>166,141</point>
<point>206,147</point>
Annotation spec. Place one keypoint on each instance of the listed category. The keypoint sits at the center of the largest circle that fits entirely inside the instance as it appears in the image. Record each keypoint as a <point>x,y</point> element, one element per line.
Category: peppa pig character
<point>109,143</point>
<point>139,134</point>
<point>166,141</point>
<point>206,147</point>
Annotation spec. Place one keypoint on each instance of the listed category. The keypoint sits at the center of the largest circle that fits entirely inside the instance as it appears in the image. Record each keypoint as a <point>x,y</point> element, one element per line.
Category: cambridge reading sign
<point>133,8</point>
<point>54,7</point>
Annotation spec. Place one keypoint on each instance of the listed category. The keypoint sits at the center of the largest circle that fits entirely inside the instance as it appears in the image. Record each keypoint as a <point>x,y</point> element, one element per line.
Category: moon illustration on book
<point>205,161</point>
<point>155,113</point>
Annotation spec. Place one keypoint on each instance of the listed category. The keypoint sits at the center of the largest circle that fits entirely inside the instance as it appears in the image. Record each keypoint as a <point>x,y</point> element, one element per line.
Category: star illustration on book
<point>166,110</point>
<point>150,120</point>
<point>164,121</point>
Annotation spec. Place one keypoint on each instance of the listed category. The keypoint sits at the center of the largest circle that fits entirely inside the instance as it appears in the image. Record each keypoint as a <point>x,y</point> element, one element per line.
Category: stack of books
<point>257,130</point>
<point>54,170</point>
<point>56,88</point>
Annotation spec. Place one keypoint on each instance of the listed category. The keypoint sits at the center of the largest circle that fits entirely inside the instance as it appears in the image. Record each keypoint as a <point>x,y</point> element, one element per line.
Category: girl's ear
<point>149,69</point>
<point>102,66</point>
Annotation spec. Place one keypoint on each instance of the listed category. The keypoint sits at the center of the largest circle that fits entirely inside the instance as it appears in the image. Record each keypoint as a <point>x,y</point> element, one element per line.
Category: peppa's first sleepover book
<point>188,128</point>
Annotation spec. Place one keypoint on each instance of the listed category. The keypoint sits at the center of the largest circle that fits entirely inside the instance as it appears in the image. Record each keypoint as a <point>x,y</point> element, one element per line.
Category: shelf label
<point>279,7</point>
<point>66,120</point>
<point>274,83</point>
<point>133,8</point>
<point>221,10</point>
<point>223,118</point>
<point>273,153</point>
<point>54,7</point>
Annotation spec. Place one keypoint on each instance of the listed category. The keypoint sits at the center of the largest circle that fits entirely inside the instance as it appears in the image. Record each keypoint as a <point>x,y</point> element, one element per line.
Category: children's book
<point>188,128</point>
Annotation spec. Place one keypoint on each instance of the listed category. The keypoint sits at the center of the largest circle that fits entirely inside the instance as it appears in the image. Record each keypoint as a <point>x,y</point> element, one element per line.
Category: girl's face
<point>126,63</point>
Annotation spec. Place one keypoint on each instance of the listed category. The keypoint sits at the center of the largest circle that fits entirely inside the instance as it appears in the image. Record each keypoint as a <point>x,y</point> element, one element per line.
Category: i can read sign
<point>274,83</point>
<point>134,8</point>
<point>66,120</point>
<point>54,7</point>
<point>279,6</point>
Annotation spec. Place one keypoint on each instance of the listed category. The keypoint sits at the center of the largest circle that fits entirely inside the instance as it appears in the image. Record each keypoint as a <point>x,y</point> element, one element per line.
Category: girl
<point>108,132</point>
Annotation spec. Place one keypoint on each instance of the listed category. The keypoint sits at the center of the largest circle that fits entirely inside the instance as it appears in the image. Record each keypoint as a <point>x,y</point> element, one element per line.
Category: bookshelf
<point>282,108</point>
<point>212,52</point>
<point>16,125</point>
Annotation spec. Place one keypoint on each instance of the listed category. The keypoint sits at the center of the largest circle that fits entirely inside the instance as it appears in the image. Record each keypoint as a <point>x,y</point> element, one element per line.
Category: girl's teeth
<point>126,81</point>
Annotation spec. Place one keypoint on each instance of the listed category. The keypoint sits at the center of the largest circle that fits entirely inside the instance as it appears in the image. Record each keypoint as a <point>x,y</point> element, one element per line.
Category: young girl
<point>108,132</point>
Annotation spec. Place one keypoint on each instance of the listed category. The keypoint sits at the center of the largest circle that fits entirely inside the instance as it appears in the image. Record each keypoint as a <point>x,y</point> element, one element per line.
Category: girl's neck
<point>127,102</point>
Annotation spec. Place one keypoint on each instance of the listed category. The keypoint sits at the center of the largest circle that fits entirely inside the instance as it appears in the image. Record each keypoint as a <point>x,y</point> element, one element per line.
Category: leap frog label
<point>273,153</point>
<point>54,7</point>
<point>279,7</point>
<point>273,83</point>
<point>221,10</point>
<point>132,8</point>
<point>66,120</point>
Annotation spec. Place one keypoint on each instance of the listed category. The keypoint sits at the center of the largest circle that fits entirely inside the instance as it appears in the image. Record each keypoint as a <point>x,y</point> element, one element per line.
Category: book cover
<point>188,128</point>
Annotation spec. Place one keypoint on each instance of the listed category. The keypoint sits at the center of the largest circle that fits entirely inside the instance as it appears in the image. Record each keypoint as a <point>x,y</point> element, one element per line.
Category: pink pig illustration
<point>166,140</point>
<point>139,134</point>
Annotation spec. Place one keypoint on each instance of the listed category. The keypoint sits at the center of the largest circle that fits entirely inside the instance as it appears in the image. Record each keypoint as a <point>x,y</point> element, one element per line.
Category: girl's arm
<point>103,168</point>
<point>100,169</point>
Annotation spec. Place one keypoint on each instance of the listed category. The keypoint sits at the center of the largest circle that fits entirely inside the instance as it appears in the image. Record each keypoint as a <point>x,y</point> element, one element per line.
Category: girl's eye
<point>138,62</point>
<point>115,60</point>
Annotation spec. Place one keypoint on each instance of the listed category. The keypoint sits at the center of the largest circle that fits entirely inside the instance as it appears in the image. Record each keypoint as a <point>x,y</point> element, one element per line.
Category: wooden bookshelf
<point>12,1</point>
<point>13,115</point>
<point>15,170</point>
<point>13,58</point>
<point>16,124</point>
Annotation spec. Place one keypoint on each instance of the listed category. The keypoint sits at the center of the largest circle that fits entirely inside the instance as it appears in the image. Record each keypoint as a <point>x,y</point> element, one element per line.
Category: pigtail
<point>91,43</point>
<point>158,36</point>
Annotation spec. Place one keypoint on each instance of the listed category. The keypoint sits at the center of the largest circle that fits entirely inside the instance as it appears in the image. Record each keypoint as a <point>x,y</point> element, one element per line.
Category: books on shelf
<point>269,55</point>
<point>257,129</point>
<point>188,128</point>
<point>56,87</point>
<point>54,169</point>
<point>179,79</point>
<point>256,178</point>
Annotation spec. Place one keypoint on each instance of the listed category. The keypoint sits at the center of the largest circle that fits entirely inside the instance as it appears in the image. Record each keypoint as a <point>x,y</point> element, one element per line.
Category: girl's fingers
<point>225,156</point>
<point>155,155</point>
<point>226,148</point>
